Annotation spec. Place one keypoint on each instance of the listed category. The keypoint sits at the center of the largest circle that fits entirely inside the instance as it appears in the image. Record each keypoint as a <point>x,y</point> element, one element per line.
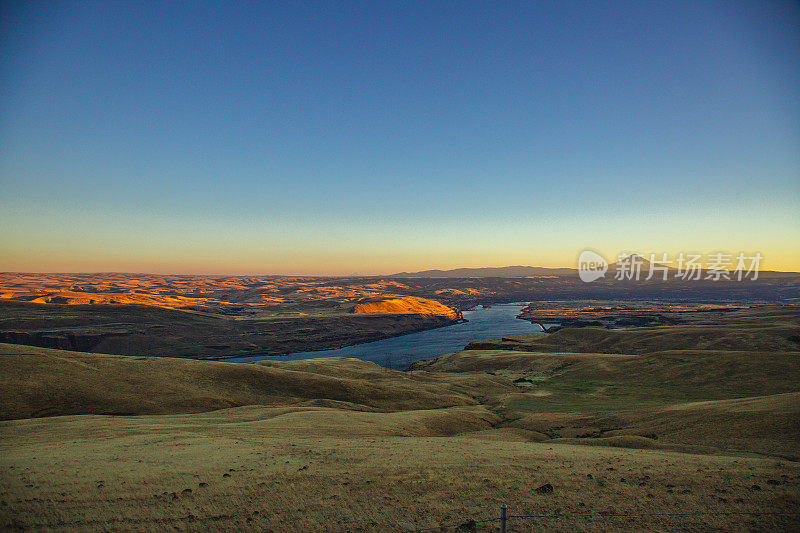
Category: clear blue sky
<point>330,137</point>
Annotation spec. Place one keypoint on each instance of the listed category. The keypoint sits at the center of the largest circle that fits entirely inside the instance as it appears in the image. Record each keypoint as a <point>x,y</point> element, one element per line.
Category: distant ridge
<point>488,272</point>
<point>644,268</point>
<point>519,271</point>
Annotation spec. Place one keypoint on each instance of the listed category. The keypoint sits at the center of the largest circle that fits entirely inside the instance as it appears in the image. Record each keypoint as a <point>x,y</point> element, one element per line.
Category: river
<point>399,352</point>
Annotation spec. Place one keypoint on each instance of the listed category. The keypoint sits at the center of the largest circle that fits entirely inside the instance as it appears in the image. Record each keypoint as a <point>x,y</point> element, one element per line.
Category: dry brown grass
<point>764,425</point>
<point>271,469</point>
<point>781,335</point>
<point>42,382</point>
<point>684,439</point>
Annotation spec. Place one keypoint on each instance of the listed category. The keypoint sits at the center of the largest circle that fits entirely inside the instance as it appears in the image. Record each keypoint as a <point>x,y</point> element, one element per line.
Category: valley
<point>687,426</point>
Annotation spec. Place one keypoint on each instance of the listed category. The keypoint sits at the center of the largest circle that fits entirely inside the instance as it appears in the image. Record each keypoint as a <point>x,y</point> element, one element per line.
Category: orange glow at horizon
<point>310,265</point>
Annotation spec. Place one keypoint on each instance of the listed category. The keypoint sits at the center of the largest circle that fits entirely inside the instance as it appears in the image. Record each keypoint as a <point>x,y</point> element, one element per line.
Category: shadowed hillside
<point>653,339</point>
<point>152,331</point>
<point>40,382</point>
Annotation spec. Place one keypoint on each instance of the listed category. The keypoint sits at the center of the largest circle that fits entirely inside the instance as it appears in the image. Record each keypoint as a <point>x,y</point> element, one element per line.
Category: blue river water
<point>399,352</point>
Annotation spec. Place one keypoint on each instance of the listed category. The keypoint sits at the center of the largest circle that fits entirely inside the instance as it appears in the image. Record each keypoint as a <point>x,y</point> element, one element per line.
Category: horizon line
<point>351,275</point>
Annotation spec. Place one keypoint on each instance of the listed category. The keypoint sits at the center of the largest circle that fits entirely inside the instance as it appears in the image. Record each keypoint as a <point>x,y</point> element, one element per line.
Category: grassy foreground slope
<point>602,381</point>
<point>269,469</point>
<point>695,433</point>
<point>729,384</point>
<point>682,400</point>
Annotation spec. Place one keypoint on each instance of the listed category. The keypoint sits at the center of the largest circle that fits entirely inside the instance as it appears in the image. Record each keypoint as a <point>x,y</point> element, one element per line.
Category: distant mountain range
<point>488,272</point>
<point>526,271</point>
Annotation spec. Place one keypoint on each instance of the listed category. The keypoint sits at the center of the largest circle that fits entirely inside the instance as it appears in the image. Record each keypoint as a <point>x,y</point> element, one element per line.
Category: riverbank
<point>155,332</point>
<point>399,352</point>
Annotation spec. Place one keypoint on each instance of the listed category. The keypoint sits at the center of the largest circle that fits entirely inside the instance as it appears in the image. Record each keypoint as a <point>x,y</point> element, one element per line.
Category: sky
<point>377,137</point>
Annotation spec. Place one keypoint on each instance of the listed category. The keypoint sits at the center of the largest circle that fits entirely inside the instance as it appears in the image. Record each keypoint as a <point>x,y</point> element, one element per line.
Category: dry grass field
<point>322,469</point>
<point>701,434</point>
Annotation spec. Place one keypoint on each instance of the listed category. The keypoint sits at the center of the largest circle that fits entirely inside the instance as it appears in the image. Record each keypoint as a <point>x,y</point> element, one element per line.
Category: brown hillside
<point>37,382</point>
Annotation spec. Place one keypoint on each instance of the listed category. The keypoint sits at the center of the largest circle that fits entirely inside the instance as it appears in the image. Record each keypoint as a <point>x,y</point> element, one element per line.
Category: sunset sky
<point>338,138</point>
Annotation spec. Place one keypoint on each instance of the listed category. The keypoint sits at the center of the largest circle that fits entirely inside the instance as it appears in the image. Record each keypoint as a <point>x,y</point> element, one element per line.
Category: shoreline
<point>339,346</point>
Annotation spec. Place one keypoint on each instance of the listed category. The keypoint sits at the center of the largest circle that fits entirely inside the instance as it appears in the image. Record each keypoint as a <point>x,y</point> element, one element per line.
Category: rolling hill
<point>699,420</point>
